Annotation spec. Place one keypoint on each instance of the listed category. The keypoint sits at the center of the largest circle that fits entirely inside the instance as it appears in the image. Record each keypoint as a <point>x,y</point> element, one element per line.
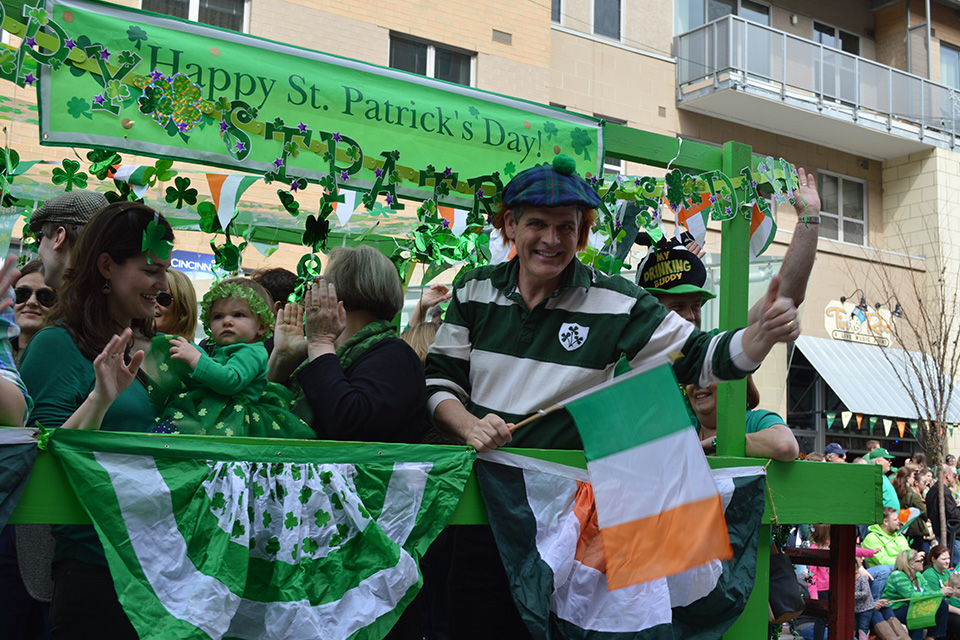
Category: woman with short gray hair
<point>360,381</point>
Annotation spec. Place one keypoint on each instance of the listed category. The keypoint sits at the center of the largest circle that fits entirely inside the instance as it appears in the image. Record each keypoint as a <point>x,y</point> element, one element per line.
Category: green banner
<point>164,87</point>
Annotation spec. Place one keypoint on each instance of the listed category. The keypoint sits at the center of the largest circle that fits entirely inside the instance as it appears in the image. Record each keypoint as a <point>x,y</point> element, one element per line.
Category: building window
<point>949,66</point>
<point>432,60</point>
<point>690,14</point>
<point>555,11</point>
<point>842,208</point>
<point>836,38</point>
<point>606,18</point>
<point>226,14</point>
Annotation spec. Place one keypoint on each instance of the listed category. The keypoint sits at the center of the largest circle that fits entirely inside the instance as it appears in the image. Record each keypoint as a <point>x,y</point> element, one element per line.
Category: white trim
<point>612,43</point>
<point>18,435</point>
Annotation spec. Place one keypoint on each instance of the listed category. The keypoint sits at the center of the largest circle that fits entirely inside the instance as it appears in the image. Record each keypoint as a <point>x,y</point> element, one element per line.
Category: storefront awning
<point>865,379</point>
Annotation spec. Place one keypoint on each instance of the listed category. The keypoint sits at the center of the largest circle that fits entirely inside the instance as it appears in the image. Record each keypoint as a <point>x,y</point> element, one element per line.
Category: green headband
<point>225,289</point>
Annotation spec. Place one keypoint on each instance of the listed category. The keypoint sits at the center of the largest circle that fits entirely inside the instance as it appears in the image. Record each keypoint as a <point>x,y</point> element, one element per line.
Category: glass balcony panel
<point>803,61</point>
<point>905,94</point>
<point>758,40</point>
<point>692,52</point>
<point>874,85</point>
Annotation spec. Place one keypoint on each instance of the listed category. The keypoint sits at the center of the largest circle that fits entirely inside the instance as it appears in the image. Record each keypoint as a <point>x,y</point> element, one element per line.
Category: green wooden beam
<point>658,150</point>
<point>802,492</point>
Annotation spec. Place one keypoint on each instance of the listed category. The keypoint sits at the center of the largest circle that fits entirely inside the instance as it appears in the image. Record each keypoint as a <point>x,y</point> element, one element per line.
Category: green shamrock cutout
<point>136,35</point>
<point>78,107</point>
<point>309,546</point>
<point>181,193</point>
<point>210,223</point>
<point>227,257</point>
<point>116,90</point>
<point>290,521</point>
<point>238,529</point>
<point>238,471</point>
<point>101,161</point>
<point>258,490</point>
<point>551,130</point>
<point>267,519</point>
<point>154,243</point>
<point>218,501</point>
<point>581,142</point>
<point>315,233</point>
<point>70,175</point>
<point>325,476</point>
<point>295,472</point>
<point>289,202</point>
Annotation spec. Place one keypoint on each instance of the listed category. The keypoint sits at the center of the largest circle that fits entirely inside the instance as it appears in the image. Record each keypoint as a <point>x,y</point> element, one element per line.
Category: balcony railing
<point>734,53</point>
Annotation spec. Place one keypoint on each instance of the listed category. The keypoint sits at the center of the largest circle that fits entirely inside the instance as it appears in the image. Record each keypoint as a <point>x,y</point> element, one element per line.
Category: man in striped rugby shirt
<point>523,335</point>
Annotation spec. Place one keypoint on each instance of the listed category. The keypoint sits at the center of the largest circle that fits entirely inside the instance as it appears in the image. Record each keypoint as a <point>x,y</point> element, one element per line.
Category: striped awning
<point>868,381</point>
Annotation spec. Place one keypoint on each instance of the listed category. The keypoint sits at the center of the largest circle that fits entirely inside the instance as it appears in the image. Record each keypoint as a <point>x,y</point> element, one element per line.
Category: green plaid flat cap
<point>73,207</point>
<point>550,185</point>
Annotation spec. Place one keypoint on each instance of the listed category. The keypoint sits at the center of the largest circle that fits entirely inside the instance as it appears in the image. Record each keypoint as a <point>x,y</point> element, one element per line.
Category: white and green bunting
<point>262,539</point>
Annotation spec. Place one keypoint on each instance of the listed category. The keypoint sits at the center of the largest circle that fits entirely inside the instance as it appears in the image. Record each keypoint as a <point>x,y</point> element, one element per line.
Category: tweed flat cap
<point>73,207</point>
<point>550,185</point>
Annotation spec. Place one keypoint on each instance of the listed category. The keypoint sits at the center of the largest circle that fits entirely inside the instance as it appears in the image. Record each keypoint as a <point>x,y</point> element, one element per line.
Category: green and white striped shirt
<point>496,356</point>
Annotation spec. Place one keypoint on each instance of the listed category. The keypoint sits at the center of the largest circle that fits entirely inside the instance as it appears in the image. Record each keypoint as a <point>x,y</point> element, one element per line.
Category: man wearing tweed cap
<point>57,224</point>
<point>526,334</point>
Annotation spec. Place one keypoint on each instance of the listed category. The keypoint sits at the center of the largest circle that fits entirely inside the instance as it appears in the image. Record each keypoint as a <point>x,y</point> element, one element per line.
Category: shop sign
<point>846,321</point>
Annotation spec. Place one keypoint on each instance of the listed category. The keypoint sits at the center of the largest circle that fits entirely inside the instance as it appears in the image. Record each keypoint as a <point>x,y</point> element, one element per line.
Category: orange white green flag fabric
<point>763,228</point>
<point>659,510</point>
<point>226,191</point>
<point>544,520</point>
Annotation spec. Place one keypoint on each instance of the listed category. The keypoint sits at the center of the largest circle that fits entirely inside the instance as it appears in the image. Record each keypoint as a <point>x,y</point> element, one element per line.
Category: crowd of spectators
<point>905,554</point>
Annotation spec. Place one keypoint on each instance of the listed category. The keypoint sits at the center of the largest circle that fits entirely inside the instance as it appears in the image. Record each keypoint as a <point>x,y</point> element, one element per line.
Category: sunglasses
<point>164,299</point>
<point>46,297</point>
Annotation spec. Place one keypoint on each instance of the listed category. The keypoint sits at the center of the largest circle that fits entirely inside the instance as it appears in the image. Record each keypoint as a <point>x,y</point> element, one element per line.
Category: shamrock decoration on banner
<point>70,175</point>
<point>154,242</point>
<point>172,101</point>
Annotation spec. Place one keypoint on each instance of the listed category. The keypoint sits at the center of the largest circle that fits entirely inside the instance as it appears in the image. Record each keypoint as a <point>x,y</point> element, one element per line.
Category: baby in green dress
<point>225,392</point>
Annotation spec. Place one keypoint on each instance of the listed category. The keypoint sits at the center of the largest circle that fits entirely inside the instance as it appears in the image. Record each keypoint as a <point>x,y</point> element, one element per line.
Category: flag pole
<point>539,414</point>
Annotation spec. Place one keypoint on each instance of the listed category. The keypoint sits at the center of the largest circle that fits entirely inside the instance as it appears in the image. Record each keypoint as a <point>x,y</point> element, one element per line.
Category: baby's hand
<point>180,349</point>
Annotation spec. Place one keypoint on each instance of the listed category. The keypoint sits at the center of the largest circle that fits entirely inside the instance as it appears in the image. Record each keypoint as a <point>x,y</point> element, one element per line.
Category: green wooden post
<point>732,396</point>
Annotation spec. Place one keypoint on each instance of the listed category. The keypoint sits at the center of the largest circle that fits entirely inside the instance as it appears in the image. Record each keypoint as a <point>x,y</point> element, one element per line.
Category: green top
<point>57,397</point>
<point>759,420</point>
<point>237,370</point>
<point>899,587</point>
<point>936,581</point>
<point>886,546</point>
<point>890,498</point>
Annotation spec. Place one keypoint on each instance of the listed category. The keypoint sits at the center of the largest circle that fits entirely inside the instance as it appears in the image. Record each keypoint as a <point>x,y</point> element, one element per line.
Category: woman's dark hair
<point>936,551</point>
<point>900,483</point>
<point>116,230</point>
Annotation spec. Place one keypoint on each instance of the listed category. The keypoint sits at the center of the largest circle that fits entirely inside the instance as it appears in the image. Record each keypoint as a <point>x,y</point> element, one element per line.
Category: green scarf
<point>347,353</point>
<point>357,345</point>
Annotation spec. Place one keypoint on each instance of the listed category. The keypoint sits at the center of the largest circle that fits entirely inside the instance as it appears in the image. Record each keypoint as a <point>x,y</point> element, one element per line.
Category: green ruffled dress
<point>226,395</point>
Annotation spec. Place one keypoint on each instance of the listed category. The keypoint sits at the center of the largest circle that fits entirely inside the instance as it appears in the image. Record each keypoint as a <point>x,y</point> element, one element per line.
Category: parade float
<point>354,153</point>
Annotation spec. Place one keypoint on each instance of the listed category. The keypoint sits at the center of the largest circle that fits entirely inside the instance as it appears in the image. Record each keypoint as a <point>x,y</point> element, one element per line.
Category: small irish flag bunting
<point>695,218</point>
<point>226,191</point>
<point>636,450</point>
<point>134,175</point>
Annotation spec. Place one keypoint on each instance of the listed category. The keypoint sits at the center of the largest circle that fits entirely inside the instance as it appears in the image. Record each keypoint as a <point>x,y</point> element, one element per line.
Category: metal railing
<point>757,57</point>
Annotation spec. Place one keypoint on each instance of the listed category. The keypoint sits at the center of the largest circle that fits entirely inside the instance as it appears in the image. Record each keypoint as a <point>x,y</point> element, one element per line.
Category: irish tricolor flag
<point>763,228</point>
<point>226,191</point>
<point>262,538</point>
<point>658,508</point>
<point>544,520</point>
